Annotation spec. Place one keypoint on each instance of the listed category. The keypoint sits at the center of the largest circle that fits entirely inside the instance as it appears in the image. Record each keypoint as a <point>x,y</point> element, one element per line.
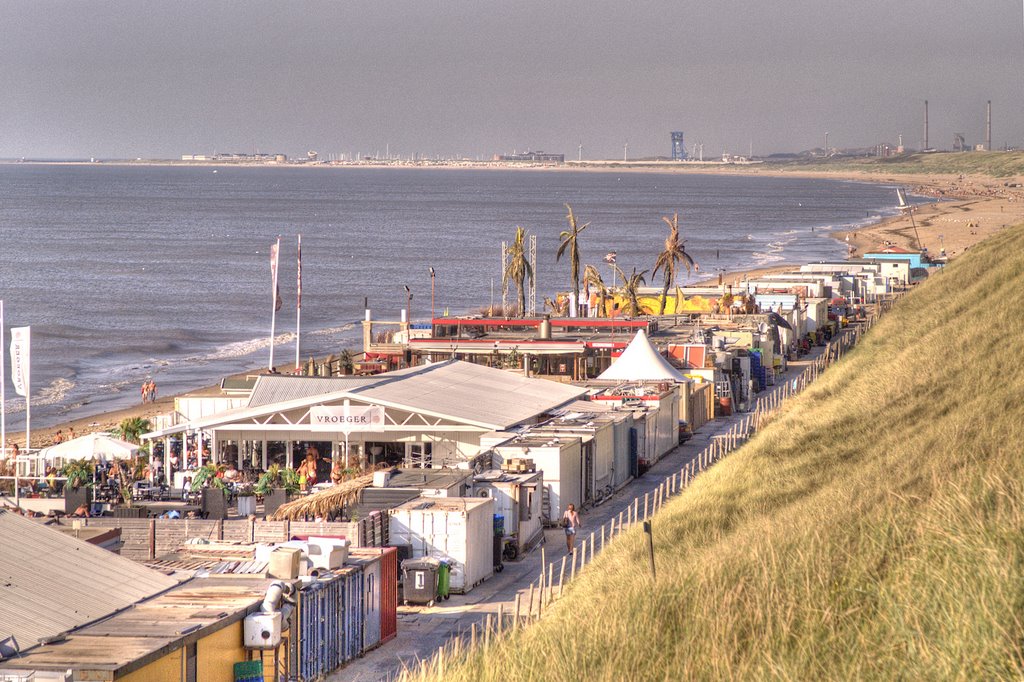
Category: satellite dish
<point>763,327</point>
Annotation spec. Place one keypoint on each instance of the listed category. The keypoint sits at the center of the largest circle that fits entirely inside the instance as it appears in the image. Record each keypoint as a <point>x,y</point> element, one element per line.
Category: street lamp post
<point>408,305</point>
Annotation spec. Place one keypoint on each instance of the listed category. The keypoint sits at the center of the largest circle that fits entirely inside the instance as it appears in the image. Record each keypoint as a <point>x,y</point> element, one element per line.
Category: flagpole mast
<point>275,252</point>
<point>3,407</point>
<point>298,304</point>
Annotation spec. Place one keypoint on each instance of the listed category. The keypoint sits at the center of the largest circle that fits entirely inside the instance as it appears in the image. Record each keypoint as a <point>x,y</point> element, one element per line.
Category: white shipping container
<point>458,530</point>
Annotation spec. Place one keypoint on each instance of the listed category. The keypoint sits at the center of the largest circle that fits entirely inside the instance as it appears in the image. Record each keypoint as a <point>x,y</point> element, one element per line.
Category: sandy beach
<point>969,209</point>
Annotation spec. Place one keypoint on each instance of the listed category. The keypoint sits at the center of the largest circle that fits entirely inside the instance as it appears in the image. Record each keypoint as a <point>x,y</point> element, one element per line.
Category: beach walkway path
<point>422,631</point>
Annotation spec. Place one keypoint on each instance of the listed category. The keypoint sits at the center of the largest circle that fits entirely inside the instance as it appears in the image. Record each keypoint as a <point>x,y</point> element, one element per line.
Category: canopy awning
<point>93,446</point>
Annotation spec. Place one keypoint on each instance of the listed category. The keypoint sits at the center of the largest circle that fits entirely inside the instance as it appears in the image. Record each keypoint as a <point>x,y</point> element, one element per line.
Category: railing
<point>550,583</point>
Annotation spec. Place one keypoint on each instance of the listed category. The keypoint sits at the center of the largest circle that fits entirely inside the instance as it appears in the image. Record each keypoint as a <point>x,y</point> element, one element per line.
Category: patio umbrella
<point>93,446</point>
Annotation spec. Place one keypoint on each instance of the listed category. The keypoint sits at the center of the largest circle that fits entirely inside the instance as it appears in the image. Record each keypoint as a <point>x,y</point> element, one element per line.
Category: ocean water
<point>126,273</point>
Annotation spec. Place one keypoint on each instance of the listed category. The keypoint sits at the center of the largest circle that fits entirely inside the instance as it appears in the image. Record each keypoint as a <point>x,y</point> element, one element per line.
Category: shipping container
<point>561,458</point>
<point>457,530</point>
<point>330,622</point>
<point>517,499</point>
<point>388,593</point>
<point>369,562</point>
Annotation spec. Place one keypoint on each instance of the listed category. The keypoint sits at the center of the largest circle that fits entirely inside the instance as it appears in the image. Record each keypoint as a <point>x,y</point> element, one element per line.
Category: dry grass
<point>874,531</point>
<point>324,502</point>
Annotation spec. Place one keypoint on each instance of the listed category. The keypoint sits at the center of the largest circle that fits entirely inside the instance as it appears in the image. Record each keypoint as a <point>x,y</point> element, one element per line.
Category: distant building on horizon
<point>533,157</point>
<point>678,147</point>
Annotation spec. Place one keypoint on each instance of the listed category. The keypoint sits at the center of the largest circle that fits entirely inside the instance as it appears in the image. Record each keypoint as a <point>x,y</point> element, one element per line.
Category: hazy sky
<point>158,79</point>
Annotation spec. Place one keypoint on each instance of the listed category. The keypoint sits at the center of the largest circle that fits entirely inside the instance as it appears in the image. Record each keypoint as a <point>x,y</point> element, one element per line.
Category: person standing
<point>152,391</point>
<point>570,522</point>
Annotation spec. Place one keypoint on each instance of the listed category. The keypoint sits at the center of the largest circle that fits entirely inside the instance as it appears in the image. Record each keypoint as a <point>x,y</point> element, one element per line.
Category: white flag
<point>20,354</point>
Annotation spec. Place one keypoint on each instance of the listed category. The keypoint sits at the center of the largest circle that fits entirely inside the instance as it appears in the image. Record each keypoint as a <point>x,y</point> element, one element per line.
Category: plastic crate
<point>249,671</point>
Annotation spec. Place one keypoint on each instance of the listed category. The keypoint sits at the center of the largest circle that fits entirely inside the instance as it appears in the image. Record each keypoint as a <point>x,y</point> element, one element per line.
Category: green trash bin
<point>444,581</point>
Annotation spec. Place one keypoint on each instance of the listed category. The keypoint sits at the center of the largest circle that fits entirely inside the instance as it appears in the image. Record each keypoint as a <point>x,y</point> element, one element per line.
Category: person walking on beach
<point>145,391</point>
<point>152,391</point>
<point>570,522</point>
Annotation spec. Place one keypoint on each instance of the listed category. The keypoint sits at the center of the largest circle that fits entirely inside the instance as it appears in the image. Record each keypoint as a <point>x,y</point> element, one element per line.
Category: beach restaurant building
<point>425,416</point>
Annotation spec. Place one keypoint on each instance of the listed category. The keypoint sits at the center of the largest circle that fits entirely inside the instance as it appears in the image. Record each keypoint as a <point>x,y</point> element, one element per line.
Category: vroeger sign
<point>346,418</point>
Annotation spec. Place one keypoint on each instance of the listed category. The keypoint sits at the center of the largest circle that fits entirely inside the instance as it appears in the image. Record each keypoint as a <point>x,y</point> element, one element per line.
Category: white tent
<point>95,445</point>
<point>642,362</point>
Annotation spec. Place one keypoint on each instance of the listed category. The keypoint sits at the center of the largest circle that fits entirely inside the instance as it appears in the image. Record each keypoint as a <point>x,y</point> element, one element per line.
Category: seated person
<point>232,475</point>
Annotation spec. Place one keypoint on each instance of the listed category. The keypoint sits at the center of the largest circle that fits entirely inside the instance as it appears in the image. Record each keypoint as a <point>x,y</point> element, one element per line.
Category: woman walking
<point>570,522</point>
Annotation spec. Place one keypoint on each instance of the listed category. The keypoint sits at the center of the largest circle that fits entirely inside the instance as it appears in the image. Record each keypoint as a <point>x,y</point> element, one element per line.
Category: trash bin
<point>420,581</point>
<point>444,575</point>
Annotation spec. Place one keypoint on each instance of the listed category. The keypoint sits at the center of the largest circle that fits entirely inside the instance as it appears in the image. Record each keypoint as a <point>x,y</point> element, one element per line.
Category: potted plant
<point>78,487</point>
<point>246,500</point>
<point>213,499</point>
<point>276,485</point>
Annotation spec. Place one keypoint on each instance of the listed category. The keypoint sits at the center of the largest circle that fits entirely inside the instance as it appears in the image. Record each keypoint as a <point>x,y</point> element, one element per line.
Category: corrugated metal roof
<point>271,389</point>
<point>471,393</point>
<point>51,583</point>
<point>460,391</point>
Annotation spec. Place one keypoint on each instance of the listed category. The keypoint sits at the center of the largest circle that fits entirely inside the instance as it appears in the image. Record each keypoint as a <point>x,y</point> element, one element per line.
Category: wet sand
<point>971,209</point>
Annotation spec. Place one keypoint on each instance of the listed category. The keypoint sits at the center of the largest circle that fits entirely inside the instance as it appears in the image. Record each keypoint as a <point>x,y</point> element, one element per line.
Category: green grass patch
<point>874,531</point>
<point>995,164</point>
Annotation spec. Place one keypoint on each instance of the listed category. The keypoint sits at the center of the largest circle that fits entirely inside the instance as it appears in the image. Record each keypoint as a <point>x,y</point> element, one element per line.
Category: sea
<point>129,273</point>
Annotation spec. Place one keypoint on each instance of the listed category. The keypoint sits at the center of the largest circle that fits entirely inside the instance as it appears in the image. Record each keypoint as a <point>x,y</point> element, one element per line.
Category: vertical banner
<point>275,252</point>
<point>20,359</point>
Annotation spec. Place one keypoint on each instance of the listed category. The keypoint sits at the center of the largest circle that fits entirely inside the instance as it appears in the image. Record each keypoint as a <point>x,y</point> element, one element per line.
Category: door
<point>419,455</point>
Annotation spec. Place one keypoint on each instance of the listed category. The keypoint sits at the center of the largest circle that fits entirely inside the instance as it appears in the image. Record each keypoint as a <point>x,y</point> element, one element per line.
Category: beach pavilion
<point>425,416</point>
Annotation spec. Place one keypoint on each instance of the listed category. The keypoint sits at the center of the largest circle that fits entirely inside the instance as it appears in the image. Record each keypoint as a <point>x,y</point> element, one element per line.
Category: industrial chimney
<point>925,126</point>
<point>988,127</point>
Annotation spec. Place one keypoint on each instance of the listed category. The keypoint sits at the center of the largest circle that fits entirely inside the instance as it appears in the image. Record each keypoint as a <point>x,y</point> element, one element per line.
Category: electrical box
<point>262,630</point>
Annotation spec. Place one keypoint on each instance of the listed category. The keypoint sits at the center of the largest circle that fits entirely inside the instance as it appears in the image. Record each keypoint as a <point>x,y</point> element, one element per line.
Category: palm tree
<point>631,288</point>
<point>518,267</point>
<point>592,277</point>
<point>132,428</point>
<point>671,257</point>
<point>570,241</point>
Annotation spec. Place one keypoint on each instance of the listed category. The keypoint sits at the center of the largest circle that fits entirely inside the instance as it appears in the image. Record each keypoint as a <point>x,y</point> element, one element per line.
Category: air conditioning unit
<point>262,630</point>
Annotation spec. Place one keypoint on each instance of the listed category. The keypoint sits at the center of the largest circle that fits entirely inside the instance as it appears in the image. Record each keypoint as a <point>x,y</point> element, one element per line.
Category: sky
<point>157,79</point>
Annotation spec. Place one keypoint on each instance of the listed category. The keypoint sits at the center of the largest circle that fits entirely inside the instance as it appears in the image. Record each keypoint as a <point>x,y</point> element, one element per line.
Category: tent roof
<point>642,362</point>
<point>92,445</point>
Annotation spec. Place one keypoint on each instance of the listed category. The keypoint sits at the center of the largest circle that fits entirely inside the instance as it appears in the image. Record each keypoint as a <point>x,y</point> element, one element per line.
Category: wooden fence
<point>146,539</point>
<point>531,603</point>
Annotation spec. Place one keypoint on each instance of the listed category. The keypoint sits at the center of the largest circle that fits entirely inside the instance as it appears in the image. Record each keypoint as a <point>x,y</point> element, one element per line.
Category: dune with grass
<point>873,531</point>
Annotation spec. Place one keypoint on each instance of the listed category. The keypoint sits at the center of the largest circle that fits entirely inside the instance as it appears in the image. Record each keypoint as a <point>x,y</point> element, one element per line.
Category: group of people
<point>148,391</point>
<point>60,437</point>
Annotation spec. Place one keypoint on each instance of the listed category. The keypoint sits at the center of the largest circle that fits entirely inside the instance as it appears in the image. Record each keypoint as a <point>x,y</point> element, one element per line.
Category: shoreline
<point>970,209</point>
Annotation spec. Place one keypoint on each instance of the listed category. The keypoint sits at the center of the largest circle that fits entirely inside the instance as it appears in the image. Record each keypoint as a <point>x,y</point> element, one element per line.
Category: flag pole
<point>274,253</point>
<point>3,407</point>
<point>298,305</point>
